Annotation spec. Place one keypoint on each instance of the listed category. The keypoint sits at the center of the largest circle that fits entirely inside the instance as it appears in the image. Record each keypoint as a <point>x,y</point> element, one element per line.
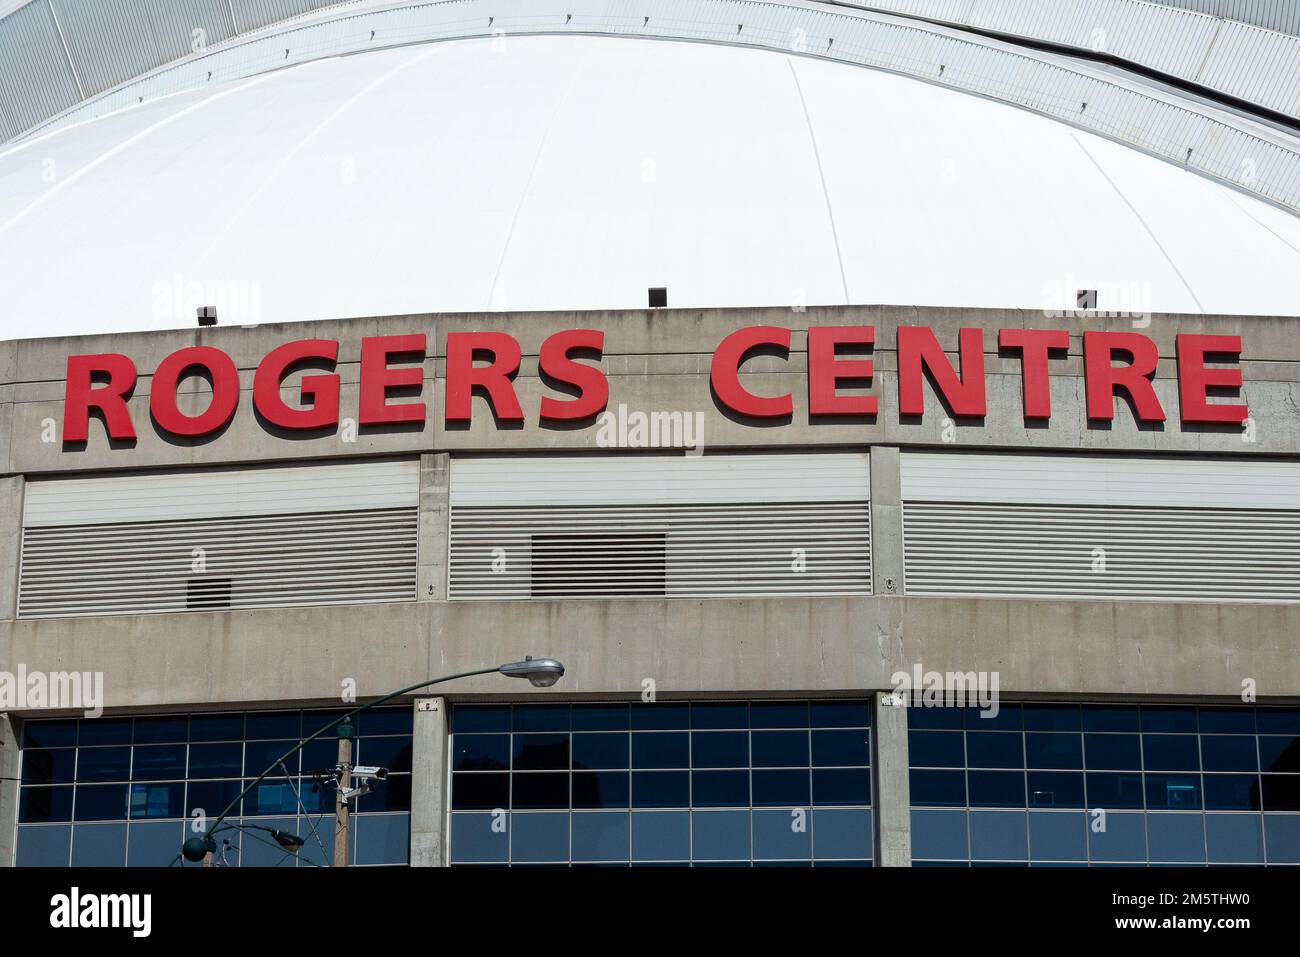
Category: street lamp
<point>541,672</point>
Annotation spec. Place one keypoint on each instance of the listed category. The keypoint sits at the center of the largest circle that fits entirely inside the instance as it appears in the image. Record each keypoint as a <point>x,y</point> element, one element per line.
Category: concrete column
<point>429,785</point>
<point>886,521</point>
<point>11,536</point>
<point>435,473</point>
<point>892,791</point>
<point>8,788</point>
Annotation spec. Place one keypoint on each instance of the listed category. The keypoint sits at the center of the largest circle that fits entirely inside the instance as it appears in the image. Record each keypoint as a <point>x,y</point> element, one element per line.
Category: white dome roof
<point>574,172</point>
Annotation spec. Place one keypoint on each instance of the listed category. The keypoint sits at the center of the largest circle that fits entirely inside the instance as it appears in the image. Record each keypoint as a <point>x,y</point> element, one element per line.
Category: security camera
<point>367,772</point>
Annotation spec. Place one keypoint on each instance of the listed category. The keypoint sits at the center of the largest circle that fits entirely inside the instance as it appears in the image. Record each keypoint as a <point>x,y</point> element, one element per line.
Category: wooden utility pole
<point>342,821</point>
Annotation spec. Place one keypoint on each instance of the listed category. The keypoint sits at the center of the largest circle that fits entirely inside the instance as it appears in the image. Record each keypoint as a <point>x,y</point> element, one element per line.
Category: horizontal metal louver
<point>1094,527</point>
<point>254,538</point>
<point>659,526</point>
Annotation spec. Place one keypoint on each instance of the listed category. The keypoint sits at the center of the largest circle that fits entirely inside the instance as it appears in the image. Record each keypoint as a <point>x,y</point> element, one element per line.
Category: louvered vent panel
<point>245,556</point>
<point>700,531</point>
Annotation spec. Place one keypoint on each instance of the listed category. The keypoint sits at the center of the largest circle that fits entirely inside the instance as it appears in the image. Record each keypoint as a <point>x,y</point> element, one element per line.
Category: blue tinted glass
<point>1282,838</point>
<point>938,788</point>
<point>940,834</point>
<point>1229,752</point>
<point>779,714</point>
<point>1053,750</point>
<point>1234,838</point>
<point>1100,717</point>
<point>158,800</point>
<point>720,788</point>
<point>158,762</point>
<point>539,837</point>
<point>1278,753</point>
<point>1232,792</point>
<point>1058,837</point>
<point>1112,752</point>
<point>261,755</point>
<point>268,797</point>
<point>273,724</point>
<point>318,721</point>
<point>936,749</point>
<point>541,752</point>
<point>780,749</point>
<point>994,749</point>
<point>105,731</point>
<point>540,790</point>
<point>841,833</point>
<point>101,802</point>
<point>660,717</point>
<point>540,717</point>
<point>161,730</point>
<point>723,714</point>
<point>841,786</point>
<point>212,797</point>
<point>600,717</point>
<point>49,734</point>
<point>661,749</point>
<point>601,837</point>
<point>49,765</point>
<point>996,788</point>
<point>1055,789</point>
<point>949,718</point>
<point>1050,717</point>
<point>43,846</point>
<point>395,791</point>
<point>477,752</point>
<point>780,788</point>
<point>601,789</point>
<point>468,718</point>
<point>224,760</point>
<point>393,753</point>
<point>661,788</point>
<point>155,843</point>
<point>217,727</point>
<point>1171,752</point>
<point>384,839</point>
<point>392,794</point>
<point>720,749</point>
<point>999,836</point>
<point>1227,720</point>
<point>473,792</point>
<point>1281,792</point>
<point>720,835</point>
<point>103,764</point>
<point>1007,717</point>
<point>1124,838</point>
<point>600,751</point>
<point>1176,838</point>
<point>1177,792</point>
<point>99,845</point>
<point>381,721</point>
<point>1169,720</point>
<point>840,714</point>
<point>777,838</point>
<point>1278,720</point>
<point>319,756</point>
<point>661,835</point>
<point>841,748</point>
<point>1114,790</point>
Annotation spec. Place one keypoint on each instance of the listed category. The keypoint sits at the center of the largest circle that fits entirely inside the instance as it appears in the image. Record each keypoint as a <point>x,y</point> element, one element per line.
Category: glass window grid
<point>690,727</point>
<point>1199,730</point>
<point>138,735</point>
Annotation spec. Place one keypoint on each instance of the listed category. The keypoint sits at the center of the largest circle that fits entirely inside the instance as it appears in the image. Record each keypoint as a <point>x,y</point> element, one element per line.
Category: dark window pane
<point>393,753</point>
<point>1112,752</point>
<point>540,717</point>
<point>274,724</point>
<point>1043,750</point>
<point>1050,717</point>
<point>319,756</point>
<point>1175,792</point>
<point>841,748</point>
<point>1278,720</point>
<point>318,721</point>
<point>780,788</point>
<point>217,727</point>
<point>661,788</point>
<point>600,717</point>
<point>947,718</point>
<point>661,749</point>
<point>994,749</point>
<point>1114,790</point>
<point>541,752</point>
<point>101,802</point>
<point>720,749</point>
<point>213,797</point>
<point>1227,720</point>
<point>224,760</point>
<point>780,749</point>
<point>1055,789</point>
<point>1277,753</point>
<point>105,731</point>
<point>1007,718</point>
<point>49,765</point>
<point>466,717</point>
<point>381,721</point>
<point>600,751</point>
<point>166,730</point>
<point>1171,752</point>
<point>260,755</point>
<point>38,805</point>
<point>158,762</point>
<point>936,749</point>
<point>841,786</point>
<point>1232,792</point>
<point>475,792</point>
<point>103,764</point>
<point>1229,752</point>
<point>1109,718</point>
<point>660,717</point>
<point>481,752</point>
<point>938,788</point>
<point>540,791</point>
<point>720,788</point>
<point>840,714</point>
<point>1169,720</point>
<point>996,788</point>
<point>391,794</point>
<point>49,734</point>
<point>158,800</point>
<point>321,799</point>
<point>778,714</point>
<point>1281,793</point>
<point>722,714</point>
<point>601,789</point>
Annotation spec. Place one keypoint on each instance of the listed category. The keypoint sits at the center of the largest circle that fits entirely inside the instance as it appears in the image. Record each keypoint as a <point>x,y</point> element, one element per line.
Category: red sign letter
<point>79,397</point>
<point>1195,381</point>
<point>825,371</point>
<point>725,372</point>
<point>377,379</point>
<point>1035,347</point>
<point>321,390</point>
<point>554,361</point>
<point>918,347</point>
<point>463,375</point>
<point>1101,377</point>
<point>225,391</point>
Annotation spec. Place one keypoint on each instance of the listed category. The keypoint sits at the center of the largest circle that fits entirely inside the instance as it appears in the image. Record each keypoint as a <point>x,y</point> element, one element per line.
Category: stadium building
<point>762,362</point>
